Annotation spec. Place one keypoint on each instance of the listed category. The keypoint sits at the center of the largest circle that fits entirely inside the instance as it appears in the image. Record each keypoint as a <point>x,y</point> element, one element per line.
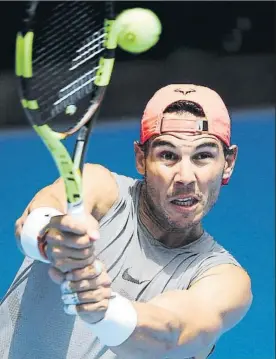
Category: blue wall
<point>242,221</point>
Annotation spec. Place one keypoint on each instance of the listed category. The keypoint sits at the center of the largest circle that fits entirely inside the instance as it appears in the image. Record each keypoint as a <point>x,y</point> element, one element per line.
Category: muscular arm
<point>100,193</point>
<point>184,324</point>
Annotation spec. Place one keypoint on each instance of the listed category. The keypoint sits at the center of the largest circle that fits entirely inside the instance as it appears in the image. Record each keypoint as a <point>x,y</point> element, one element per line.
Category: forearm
<point>160,332</point>
<point>51,196</point>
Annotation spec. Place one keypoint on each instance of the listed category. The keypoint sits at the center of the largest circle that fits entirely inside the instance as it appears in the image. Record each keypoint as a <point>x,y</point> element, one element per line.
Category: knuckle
<point>83,241</point>
<point>53,235</point>
<point>83,273</point>
<point>76,274</point>
<point>58,236</point>
<point>78,264</point>
<point>66,220</point>
<point>88,261</point>
<point>97,295</point>
<point>103,280</point>
<point>68,223</point>
<point>102,305</point>
<point>108,293</point>
<point>101,295</point>
<point>89,270</point>
<point>85,297</point>
<point>72,224</point>
<point>99,307</point>
<point>85,253</point>
<point>93,296</point>
<point>56,250</point>
<point>85,285</point>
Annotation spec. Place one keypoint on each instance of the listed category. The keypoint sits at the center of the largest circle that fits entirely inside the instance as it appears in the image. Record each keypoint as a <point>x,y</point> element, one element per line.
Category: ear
<point>140,159</point>
<point>229,164</point>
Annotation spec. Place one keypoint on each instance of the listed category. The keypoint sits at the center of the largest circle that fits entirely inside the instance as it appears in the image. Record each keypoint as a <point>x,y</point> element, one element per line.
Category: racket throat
<point>80,148</point>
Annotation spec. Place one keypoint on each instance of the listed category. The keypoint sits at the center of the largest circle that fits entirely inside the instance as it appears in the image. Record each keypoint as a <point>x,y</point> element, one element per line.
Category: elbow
<point>197,337</point>
<point>210,331</point>
<point>205,330</point>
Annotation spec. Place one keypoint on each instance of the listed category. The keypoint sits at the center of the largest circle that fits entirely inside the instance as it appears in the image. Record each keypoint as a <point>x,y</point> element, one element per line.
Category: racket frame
<point>70,168</point>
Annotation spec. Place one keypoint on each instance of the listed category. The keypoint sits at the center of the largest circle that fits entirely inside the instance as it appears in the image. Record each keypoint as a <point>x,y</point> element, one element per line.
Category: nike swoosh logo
<point>129,278</point>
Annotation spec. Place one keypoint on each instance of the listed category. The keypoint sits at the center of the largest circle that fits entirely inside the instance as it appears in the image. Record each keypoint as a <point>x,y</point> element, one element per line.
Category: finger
<point>91,296</point>
<point>56,275</point>
<point>56,237</point>
<point>67,223</point>
<point>59,252</point>
<point>69,264</point>
<point>97,309</point>
<point>87,272</point>
<point>102,280</point>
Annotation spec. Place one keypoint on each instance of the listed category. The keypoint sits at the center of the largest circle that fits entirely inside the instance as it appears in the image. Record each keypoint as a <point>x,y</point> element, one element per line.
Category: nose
<point>185,173</point>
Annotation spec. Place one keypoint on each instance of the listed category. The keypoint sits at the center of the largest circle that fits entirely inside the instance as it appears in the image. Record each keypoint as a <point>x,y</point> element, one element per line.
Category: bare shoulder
<point>227,288</point>
<point>229,272</point>
<point>100,190</point>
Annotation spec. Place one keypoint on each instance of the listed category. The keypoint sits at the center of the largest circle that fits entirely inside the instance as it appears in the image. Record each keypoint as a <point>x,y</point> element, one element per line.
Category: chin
<point>185,222</point>
<point>185,216</point>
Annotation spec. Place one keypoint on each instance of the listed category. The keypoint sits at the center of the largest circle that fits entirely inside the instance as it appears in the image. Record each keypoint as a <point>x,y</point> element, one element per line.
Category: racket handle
<point>76,210</point>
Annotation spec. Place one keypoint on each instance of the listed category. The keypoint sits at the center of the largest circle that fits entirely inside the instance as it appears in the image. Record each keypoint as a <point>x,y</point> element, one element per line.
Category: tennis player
<point>138,277</point>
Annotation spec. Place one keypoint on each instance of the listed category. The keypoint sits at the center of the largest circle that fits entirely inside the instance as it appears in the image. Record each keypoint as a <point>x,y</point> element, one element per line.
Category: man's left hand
<point>85,292</point>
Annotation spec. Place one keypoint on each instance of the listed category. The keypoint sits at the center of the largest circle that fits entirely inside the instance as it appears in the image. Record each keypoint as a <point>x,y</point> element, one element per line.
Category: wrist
<point>119,322</point>
<point>32,243</point>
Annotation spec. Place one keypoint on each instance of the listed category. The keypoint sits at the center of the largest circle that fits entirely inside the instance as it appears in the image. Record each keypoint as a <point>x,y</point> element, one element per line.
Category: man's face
<point>183,174</point>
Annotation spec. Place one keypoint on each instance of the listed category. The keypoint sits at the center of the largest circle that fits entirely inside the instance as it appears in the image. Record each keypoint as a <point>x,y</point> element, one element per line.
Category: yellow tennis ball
<point>138,30</point>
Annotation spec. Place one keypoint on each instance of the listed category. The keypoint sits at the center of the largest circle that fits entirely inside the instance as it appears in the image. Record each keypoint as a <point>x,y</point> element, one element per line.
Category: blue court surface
<point>242,221</point>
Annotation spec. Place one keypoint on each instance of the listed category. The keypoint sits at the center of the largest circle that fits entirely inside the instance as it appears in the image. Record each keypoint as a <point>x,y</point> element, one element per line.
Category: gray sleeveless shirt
<point>32,322</point>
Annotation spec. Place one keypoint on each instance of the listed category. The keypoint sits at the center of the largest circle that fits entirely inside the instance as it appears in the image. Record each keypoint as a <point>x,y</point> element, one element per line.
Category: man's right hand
<point>69,246</point>
<point>70,242</point>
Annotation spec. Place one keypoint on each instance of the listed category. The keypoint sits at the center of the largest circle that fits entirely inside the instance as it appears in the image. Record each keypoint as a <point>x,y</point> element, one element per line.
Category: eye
<point>168,156</point>
<point>203,156</point>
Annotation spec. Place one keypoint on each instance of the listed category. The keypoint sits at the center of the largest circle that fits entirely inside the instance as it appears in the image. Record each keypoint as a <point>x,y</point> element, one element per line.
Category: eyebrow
<point>208,144</point>
<point>163,143</point>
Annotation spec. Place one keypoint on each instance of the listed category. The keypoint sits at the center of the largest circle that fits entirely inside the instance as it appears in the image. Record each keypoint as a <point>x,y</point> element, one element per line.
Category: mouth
<point>185,202</point>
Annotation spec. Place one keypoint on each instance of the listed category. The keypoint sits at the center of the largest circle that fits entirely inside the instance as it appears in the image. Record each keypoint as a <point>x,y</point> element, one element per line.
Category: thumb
<point>93,228</point>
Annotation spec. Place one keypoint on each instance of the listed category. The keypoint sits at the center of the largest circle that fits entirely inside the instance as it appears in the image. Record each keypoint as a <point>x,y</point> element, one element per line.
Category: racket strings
<point>66,55</point>
<point>81,86</point>
<point>90,50</point>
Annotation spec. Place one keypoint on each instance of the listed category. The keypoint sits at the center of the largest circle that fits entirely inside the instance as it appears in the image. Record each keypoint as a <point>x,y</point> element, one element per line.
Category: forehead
<point>187,140</point>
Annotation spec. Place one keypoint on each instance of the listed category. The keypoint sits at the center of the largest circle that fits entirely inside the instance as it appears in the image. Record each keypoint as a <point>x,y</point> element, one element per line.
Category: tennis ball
<point>138,30</point>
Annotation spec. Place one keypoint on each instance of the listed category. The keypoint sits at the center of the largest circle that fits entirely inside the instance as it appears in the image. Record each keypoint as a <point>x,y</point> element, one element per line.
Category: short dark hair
<point>180,107</point>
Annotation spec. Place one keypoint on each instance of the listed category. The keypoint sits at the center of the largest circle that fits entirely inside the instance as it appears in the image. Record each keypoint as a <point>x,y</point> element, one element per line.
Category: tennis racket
<point>65,54</point>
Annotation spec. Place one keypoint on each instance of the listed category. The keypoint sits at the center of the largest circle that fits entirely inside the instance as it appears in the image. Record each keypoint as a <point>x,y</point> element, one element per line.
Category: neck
<point>162,231</point>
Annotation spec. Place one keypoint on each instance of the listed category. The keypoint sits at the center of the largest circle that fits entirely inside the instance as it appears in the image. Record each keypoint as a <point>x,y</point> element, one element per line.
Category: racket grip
<point>76,210</point>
